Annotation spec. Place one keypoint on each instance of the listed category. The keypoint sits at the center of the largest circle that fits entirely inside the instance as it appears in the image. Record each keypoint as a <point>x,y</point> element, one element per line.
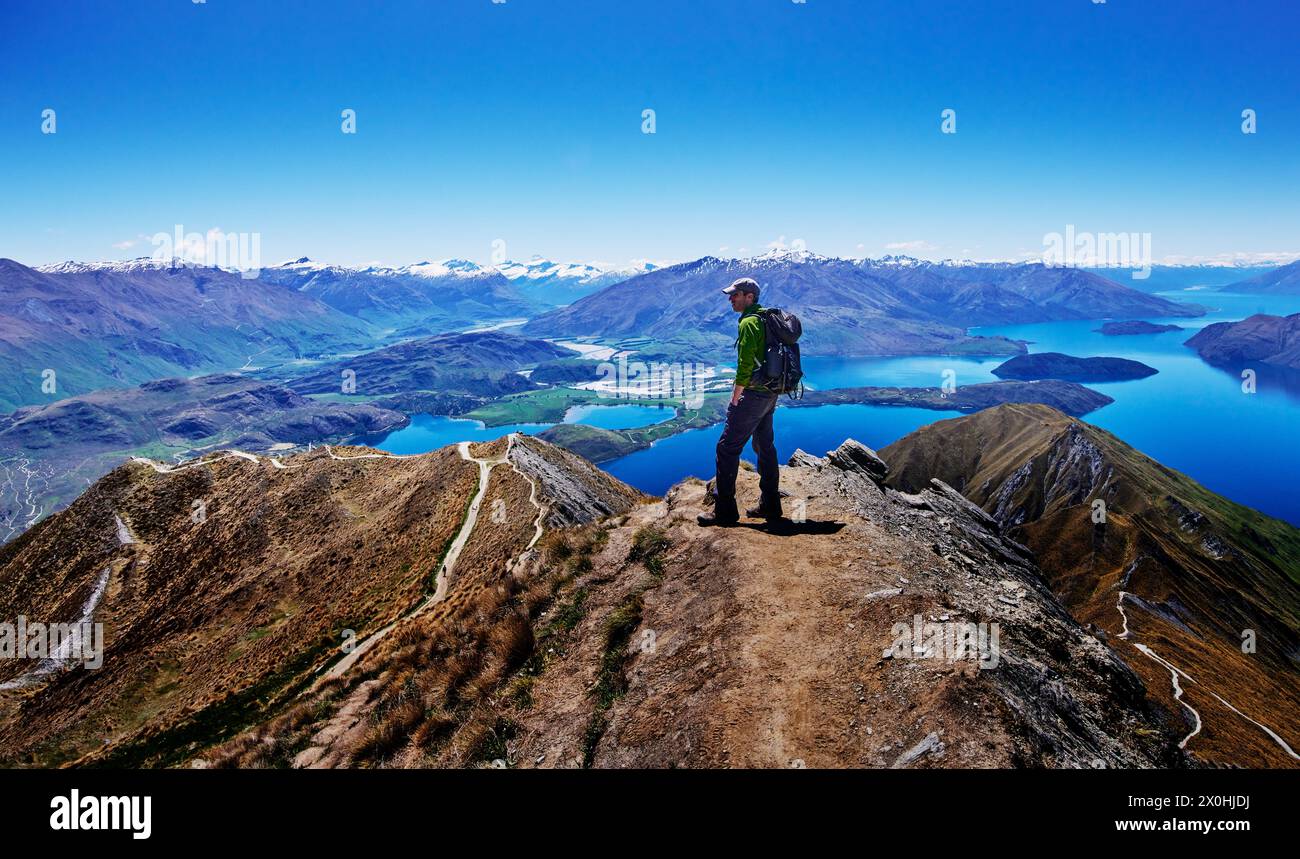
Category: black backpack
<point>781,371</point>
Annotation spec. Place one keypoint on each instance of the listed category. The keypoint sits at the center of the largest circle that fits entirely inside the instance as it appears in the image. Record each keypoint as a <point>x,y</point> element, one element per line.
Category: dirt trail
<point>71,646</point>
<point>353,709</point>
<point>203,460</point>
<point>232,453</point>
<point>467,528</point>
<point>485,467</point>
<point>773,664</point>
<point>1176,672</point>
<point>778,644</point>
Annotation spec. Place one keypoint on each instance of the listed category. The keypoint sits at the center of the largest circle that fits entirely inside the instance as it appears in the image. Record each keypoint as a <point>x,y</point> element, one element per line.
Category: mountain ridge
<point>98,329</point>
<point>850,308</point>
<point>565,607</point>
<point>1145,554</point>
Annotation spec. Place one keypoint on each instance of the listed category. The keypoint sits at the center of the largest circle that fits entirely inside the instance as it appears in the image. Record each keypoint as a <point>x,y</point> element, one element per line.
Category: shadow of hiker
<point>790,528</point>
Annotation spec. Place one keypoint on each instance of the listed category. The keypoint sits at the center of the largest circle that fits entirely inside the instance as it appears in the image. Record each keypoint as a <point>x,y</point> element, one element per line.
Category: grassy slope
<point>1189,602</point>
<point>602,445</point>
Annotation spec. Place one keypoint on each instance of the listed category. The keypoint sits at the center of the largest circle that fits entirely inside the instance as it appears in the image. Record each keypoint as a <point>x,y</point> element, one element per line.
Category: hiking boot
<point>717,521</point>
<point>761,512</point>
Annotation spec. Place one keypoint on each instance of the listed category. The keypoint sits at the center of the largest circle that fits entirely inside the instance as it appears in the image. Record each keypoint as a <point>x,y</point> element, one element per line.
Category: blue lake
<point>1194,417</point>
<point>618,417</point>
<point>430,432</point>
<point>816,429</point>
<point>1190,416</point>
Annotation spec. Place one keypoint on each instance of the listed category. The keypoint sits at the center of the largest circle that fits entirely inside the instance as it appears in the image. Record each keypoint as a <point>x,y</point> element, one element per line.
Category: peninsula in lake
<point>1117,329</point>
<point>1056,365</point>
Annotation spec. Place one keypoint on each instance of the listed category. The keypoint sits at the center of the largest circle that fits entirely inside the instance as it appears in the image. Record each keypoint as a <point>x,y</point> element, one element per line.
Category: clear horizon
<point>1256,260</point>
<point>813,124</point>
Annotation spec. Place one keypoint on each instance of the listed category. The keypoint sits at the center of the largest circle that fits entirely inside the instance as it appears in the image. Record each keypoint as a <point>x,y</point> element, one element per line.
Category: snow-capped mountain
<point>545,281</point>
<point>428,297</point>
<point>903,261</point>
<point>539,268</point>
<point>113,324</point>
<point>896,306</point>
<point>118,266</point>
<point>556,283</point>
<point>427,268</point>
<point>439,268</point>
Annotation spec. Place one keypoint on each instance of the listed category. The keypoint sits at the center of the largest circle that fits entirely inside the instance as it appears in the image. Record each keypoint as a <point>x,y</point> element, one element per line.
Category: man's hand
<point>736,391</point>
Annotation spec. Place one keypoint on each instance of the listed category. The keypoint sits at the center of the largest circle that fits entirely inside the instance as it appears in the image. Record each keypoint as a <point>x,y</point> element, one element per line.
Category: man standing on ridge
<point>749,415</point>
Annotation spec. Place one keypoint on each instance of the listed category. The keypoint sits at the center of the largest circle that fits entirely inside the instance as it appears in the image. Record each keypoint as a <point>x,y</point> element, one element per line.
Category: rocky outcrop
<point>775,645</point>
<point>855,456</point>
<point>576,492</point>
<point>1145,555</point>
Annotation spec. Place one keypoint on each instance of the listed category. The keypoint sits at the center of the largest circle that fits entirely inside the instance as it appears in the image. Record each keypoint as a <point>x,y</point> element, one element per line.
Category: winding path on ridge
<point>1176,672</point>
<point>352,710</point>
<point>485,467</point>
<point>73,648</point>
<point>348,715</point>
<point>453,553</point>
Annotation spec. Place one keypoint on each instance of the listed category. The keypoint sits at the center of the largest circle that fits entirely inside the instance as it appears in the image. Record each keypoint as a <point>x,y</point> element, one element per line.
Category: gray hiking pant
<point>750,418</point>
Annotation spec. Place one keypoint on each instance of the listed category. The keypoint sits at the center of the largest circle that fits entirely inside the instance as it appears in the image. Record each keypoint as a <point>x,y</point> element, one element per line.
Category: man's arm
<point>748,358</point>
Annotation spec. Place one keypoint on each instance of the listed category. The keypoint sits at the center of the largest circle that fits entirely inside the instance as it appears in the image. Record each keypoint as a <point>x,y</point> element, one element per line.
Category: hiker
<point>749,415</point>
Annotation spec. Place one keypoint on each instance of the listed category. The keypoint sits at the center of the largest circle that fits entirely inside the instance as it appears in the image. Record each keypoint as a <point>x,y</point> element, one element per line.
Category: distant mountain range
<point>1278,281</point>
<point>95,327</point>
<point>895,306</point>
<point>395,294</point>
<point>105,324</point>
<point>1168,278</point>
<point>116,324</point>
<point>553,283</point>
<point>411,301</point>
<point>108,324</point>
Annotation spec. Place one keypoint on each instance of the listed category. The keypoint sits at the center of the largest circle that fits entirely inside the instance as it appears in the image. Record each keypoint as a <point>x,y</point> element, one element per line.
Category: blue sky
<point>522,121</point>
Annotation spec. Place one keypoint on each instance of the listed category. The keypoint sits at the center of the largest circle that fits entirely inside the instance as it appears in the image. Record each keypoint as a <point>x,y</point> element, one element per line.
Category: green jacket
<point>751,344</point>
